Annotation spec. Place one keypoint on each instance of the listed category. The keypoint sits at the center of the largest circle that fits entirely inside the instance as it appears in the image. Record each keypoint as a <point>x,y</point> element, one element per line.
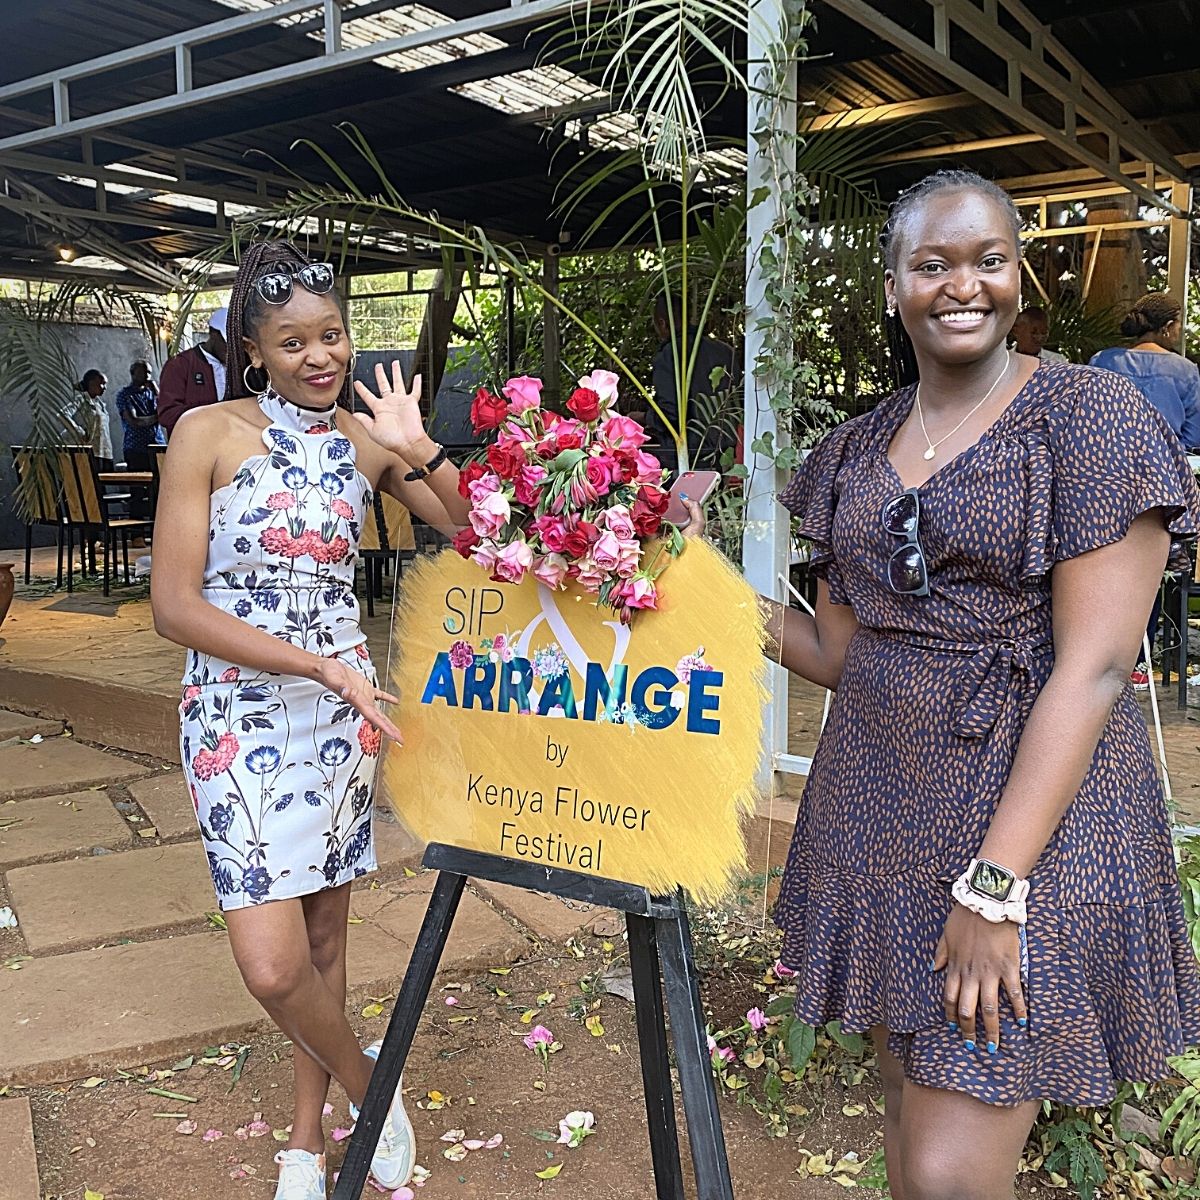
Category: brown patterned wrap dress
<point>931,705</point>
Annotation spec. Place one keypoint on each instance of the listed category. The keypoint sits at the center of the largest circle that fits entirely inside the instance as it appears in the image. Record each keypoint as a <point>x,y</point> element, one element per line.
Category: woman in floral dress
<point>256,538</point>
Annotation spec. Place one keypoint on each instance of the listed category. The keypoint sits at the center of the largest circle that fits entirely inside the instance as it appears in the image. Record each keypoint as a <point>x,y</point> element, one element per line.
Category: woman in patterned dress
<point>987,548</point>
<point>256,537</point>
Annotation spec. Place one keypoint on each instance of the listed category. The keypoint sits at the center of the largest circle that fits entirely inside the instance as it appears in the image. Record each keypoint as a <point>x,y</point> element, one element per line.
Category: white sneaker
<point>301,1175</point>
<point>396,1153</point>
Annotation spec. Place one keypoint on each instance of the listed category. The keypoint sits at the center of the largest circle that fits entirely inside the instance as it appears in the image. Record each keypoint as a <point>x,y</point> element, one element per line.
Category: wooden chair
<point>387,536</point>
<point>36,471</point>
<point>88,506</point>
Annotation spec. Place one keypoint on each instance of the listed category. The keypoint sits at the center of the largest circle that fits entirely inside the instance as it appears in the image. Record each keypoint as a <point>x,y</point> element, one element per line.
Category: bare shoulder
<point>370,458</point>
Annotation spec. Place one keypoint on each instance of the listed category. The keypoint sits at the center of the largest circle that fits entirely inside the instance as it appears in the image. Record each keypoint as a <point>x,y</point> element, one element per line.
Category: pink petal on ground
<point>451,1000</point>
<point>186,1127</point>
<point>241,1133</point>
<point>212,1135</point>
<point>258,1128</point>
<point>327,1111</point>
<point>474,1144</point>
<point>404,1193</point>
<point>340,1135</point>
<point>495,1140</point>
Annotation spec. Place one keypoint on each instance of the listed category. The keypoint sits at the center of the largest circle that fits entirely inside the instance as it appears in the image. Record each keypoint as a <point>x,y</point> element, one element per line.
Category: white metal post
<point>765,542</point>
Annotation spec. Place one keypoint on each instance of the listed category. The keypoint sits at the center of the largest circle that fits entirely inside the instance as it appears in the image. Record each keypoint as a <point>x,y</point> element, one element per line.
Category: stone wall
<point>108,349</point>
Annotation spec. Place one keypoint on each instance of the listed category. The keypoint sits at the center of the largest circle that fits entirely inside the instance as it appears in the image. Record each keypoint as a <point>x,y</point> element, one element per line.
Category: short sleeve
<point>1114,458</point>
<point>811,495</point>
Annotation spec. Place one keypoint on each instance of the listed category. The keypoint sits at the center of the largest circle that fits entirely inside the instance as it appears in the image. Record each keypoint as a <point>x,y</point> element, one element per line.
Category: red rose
<point>465,540</point>
<point>654,498</point>
<point>579,538</point>
<point>487,411</point>
<point>506,461</point>
<point>467,476</point>
<point>627,461</point>
<point>585,404</point>
<point>646,522</point>
<point>567,439</point>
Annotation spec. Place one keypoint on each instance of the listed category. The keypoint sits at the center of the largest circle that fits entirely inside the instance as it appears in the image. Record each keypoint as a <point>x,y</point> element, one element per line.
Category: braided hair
<point>1151,314</point>
<point>903,356</point>
<point>247,311</point>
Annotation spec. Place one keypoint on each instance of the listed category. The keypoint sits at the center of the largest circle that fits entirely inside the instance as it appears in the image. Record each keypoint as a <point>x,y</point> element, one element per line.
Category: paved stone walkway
<point>115,961</point>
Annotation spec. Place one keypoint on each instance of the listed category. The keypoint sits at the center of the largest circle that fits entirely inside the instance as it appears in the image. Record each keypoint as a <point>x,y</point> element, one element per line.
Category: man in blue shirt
<point>137,406</point>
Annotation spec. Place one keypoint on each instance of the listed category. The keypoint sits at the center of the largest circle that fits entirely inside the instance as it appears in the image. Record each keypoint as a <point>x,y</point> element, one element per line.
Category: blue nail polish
<point>952,1024</point>
<point>992,1047</point>
<point>1022,1021</point>
<point>970,1045</point>
<point>684,496</point>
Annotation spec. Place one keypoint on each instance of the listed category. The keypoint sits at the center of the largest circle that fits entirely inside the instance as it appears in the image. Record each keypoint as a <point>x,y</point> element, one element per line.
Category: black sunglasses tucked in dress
<point>906,571</point>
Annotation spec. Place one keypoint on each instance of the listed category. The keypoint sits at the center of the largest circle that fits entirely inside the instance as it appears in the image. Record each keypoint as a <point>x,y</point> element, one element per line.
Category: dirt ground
<point>116,1138</point>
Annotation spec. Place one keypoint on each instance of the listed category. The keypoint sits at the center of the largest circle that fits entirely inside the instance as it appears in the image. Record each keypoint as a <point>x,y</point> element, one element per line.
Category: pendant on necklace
<point>929,453</point>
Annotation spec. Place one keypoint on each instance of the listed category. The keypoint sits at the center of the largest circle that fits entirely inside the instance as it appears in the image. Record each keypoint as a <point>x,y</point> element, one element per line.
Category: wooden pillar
<point>1118,276</point>
<point>433,345</point>
<point>1179,248</point>
<point>551,342</point>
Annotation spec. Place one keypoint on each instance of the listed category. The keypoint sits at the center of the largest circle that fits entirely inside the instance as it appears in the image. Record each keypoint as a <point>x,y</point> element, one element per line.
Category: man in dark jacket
<point>194,377</point>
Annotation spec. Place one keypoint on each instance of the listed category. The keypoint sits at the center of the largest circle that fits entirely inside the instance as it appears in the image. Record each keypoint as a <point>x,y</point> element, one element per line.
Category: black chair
<point>1176,595</point>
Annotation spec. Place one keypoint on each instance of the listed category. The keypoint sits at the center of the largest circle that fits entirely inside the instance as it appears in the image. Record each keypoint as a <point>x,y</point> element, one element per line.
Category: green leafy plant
<point>1073,1155</point>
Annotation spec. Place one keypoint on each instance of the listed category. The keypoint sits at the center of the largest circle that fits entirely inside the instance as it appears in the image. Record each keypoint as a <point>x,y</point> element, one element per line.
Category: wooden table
<point>133,478</point>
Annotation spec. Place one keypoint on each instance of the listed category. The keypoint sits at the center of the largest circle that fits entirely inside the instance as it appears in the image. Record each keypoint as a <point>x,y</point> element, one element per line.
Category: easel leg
<point>418,979</point>
<point>707,1140</point>
<point>656,1067</point>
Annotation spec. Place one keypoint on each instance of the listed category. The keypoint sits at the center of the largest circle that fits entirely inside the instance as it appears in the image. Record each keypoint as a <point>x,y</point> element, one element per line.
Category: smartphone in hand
<point>695,485</point>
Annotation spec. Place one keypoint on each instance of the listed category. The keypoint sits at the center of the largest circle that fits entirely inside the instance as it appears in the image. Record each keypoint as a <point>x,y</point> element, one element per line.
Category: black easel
<point>660,954</point>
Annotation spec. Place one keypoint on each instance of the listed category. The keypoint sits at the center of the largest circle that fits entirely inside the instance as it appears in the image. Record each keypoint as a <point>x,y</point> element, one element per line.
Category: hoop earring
<point>350,365</point>
<point>256,391</point>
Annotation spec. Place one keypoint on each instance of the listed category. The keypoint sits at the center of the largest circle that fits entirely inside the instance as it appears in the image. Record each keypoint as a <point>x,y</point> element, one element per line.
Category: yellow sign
<point>538,727</point>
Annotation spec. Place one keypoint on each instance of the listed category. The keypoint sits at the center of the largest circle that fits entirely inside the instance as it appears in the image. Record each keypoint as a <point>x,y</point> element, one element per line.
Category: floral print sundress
<point>281,771</point>
<point>934,696</point>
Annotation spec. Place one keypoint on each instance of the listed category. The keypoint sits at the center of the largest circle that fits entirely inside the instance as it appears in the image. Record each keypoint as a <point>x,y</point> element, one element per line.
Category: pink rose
<point>607,551</point>
<point>483,486</point>
<point>623,432</point>
<point>513,562</point>
<point>604,384</point>
<point>526,489</point>
<point>618,522</point>
<point>523,393</point>
<point>602,473</point>
<point>630,559</point>
<point>591,576</point>
<point>638,592</point>
<point>484,555</point>
<point>462,655</point>
<point>281,500</point>
<point>490,514</point>
<point>649,469</point>
<point>552,531</point>
<point>550,569</point>
<point>756,1019</point>
<point>538,1036</point>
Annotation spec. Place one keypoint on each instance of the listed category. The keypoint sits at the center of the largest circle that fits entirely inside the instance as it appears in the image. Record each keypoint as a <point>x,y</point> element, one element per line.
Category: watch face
<point>992,881</point>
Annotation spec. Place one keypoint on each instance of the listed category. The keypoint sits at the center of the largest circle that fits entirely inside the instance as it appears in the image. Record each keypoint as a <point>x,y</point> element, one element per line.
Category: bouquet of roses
<point>566,497</point>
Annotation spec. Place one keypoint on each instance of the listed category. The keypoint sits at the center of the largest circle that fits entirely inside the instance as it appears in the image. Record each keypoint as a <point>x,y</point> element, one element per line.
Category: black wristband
<point>429,468</point>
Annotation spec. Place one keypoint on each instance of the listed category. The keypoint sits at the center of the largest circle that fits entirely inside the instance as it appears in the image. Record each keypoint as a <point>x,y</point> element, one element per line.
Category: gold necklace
<point>928,454</point>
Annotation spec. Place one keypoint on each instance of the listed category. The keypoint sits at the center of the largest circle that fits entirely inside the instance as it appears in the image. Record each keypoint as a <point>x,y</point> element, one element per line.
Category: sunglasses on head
<point>906,571</point>
<point>276,286</point>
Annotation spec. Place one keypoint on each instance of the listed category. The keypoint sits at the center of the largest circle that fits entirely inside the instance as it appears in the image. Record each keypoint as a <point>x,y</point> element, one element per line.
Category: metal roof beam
<point>522,13</point>
<point>899,110</point>
<point>1076,90</point>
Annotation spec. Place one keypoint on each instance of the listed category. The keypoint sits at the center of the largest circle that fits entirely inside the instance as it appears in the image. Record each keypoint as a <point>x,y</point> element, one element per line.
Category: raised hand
<point>394,417</point>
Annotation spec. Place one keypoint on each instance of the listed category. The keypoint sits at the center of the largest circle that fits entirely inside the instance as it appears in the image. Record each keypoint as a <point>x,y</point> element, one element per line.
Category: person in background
<point>137,406</point>
<point>91,416</point>
<point>195,377</point>
<point>1029,333</point>
<point>1155,367</point>
<point>1170,382</point>
<point>705,445</point>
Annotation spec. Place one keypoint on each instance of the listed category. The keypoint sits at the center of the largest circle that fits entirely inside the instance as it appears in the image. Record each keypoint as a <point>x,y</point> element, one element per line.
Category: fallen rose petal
<point>404,1193</point>
<point>187,1128</point>
<point>474,1144</point>
<point>420,1175</point>
<point>212,1135</point>
<point>340,1135</point>
<point>241,1133</point>
<point>451,1000</point>
<point>495,1140</point>
<point>327,1111</point>
<point>258,1128</point>
<point>455,1153</point>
